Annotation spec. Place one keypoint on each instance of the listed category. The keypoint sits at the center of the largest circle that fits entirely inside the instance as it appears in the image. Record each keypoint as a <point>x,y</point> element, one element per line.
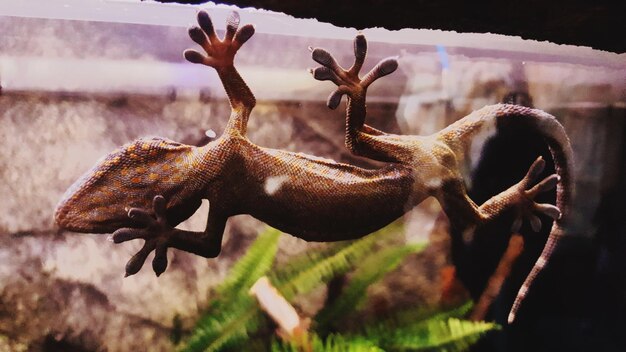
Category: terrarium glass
<point>80,78</point>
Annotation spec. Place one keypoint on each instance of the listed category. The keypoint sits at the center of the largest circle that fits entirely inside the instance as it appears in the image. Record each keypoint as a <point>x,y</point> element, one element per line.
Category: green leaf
<point>417,330</point>
<point>450,335</point>
<point>370,271</point>
<point>300,262</point>
<point>234,314</point>
<point>332,343</point>
<point>415,316</point>
<point>321,270</point>
<point>255,263</point>
<point>228,327</point>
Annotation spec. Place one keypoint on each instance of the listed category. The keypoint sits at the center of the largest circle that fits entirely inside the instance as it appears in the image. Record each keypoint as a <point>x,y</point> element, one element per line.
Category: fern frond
<point>420,330</point>
<point>255,263</point>
<point>300,262</point>
<point>332,343</point>
<point>421,315</point>
<point>234,314</point>
<point>450,335</point>
<point>325,268</point>
<point>228,327</point>
<point>369,272</point>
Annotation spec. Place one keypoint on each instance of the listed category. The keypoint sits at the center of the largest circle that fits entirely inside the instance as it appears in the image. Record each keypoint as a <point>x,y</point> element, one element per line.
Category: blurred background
<point>79,80</point>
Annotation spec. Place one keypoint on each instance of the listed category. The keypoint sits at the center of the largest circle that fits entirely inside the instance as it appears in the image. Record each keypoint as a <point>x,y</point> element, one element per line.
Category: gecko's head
<point>128,177</point>
<point>89,206</point>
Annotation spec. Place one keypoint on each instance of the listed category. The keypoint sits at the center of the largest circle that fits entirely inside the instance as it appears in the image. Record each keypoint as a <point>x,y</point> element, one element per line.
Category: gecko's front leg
<point>159,235</point>
<point>220,54</point>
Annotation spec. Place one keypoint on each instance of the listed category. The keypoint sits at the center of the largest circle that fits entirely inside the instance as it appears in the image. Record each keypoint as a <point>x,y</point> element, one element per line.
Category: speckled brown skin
<point>147,187</point>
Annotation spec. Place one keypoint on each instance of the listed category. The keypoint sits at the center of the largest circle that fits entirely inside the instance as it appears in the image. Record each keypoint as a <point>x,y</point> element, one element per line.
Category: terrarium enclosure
<point>80,78</point>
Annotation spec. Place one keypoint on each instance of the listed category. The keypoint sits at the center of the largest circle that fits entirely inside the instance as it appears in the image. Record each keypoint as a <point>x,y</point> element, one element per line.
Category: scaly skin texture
<point>145,188</point>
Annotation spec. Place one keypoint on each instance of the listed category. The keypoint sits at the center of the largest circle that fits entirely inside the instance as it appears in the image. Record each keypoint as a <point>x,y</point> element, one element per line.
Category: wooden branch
<point>494,285</point>
<point>291,327</point>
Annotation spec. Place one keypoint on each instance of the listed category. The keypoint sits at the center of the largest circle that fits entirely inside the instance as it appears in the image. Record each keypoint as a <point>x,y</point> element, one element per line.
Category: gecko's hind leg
<point>159,235</point>
<point>220,54</point>
<point>520,198</point>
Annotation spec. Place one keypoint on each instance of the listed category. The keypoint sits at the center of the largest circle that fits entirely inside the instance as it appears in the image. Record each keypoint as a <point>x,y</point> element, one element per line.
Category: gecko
<point>145,188</point>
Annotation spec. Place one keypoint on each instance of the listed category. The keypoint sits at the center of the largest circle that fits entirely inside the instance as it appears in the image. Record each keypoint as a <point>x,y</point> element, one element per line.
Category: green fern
<point>414,316</point>
<point>234,314</point>
<point>370,271</point>
<point>332,343</point>
<point>441,335</point>
<point>255,263</point>
<point>441,331</point>
<point>320,271</point>
<point>228,328</point>
<point>297,264</point>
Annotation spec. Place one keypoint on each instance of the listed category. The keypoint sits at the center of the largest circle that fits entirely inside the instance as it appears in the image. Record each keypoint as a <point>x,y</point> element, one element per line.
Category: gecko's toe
<point>535,222</point>
<point>550,210</point>
<point>243,34</point>
<point>517,224</point>
<point>127,234</point>
<point>383,68</point>
<point>159,263</point>
<point>204,20</point>
<point>232,21</point>
<point>323,57</point>
<point>535,169</point>
<point>545,185</point>
<point>136,262</point>
<point>360,47</point>
<point>197,35</point>
<point>141,216</point>
<point>194,57</point>
<point>324,74</point>
<point>388,66</point>
<point>334,99</point>
<point>159,205</point>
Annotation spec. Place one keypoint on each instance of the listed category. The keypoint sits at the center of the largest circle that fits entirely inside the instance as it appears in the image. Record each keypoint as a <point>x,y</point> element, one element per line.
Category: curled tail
<point>468,135</point>
<point>561,150</point>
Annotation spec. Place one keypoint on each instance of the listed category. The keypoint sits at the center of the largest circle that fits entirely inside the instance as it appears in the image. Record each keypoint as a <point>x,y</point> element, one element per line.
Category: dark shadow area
<point>578,303</point>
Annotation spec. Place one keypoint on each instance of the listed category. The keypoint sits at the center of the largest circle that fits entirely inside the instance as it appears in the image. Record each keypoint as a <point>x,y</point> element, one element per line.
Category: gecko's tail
<point>558,142</point>
<point>467,138</point>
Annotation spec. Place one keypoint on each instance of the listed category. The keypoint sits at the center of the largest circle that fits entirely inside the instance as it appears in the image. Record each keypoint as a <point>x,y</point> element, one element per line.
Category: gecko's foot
<point>156,232</point>
<point>219,53</point>
<point>348,81</point>
<point>528,189</point>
